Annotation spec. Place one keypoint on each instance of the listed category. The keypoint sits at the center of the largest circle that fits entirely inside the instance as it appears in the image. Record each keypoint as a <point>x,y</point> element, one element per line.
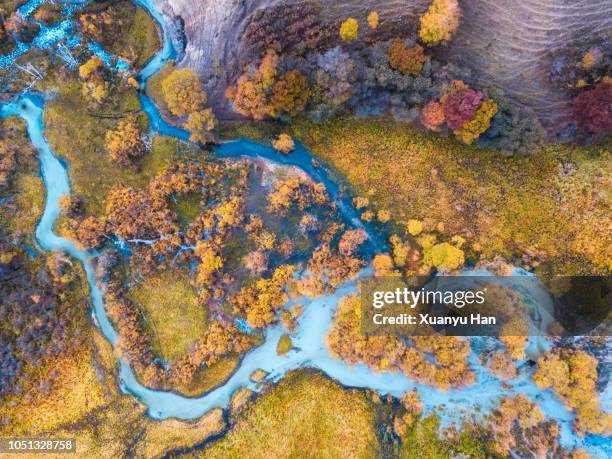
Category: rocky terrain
<point>511,45</point>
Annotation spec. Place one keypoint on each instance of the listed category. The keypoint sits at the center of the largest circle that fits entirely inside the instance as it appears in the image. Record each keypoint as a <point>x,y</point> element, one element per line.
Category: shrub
<point>513,129</point>
<point>360,202</point>
<point>89,67</point>
<point>408,61</point>
<point>383,216</point>
<point>284,345</point>
<point>350,241</point>
<point>256,262</point>
<point>383,265</point>
<point>95,91</point>
<point>573,375</point>
<point>349,29</point>
<point>183,92</point>
<point>440,21</point>
<point>90,232</point>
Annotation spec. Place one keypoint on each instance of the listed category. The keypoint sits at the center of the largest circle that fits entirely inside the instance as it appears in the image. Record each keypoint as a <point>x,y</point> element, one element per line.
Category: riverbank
<point>308,338</point>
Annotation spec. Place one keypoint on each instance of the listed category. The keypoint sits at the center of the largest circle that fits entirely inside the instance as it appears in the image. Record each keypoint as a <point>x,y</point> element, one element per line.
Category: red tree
<point>593,109</point>
<point>460,107</point>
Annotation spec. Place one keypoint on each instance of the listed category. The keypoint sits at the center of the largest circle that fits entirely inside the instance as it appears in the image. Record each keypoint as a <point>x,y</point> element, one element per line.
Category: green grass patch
<point>305,414</point>
<point>140,35</point>
<point>187,208</point>
<point>260,131</point>
<point>77,134</point>
<point>154,89</point>
<point>30,200</point>
<point>423,441</point>
<point>284,345</point>
<point>173,314</point>
<point>207,378</point>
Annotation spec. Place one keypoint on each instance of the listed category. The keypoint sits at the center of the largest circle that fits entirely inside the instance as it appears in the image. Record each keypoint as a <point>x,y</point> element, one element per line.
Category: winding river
<point>308,338</point>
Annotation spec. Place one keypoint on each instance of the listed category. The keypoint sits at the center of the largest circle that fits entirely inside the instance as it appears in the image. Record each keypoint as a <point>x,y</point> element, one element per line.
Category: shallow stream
<point>309,337</point>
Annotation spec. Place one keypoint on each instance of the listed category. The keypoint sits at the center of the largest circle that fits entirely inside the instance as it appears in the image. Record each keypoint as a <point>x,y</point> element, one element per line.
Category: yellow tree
<point>446,257</point>
<point>183,92</point>
<point>125,144</point>
<point>440,21</point>
<point>200,123</point>
<point>373,20</point>
<point>284,143</point>
<point>349,29</point>
<point>471,130</point>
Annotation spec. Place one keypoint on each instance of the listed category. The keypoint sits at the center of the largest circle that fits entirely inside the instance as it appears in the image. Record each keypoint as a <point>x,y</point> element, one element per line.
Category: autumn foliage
<point>125,144</point>
<point>349,29</point>
<point>133,342</point>
<point>436,360</point>
<point>471,130</point>
<point>593,109</point>
<point>520,425</point>
<point>260,92</point>
<point>572,374</point>
<point>432,116</point>
<point>260,302</point>
<point>408,61</point>
<point>284,143</point>
<point>201,123</point>
<point>460,106</point>
<point>218,341</point>
<point>373,20</point>
<point>440,22</point>
<point>290,93</point>
<point>183,92</point>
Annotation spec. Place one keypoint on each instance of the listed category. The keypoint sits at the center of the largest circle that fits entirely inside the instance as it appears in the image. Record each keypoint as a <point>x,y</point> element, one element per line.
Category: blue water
<point>108,59</point>
<point>309,336</point>
<point>29,7</point>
